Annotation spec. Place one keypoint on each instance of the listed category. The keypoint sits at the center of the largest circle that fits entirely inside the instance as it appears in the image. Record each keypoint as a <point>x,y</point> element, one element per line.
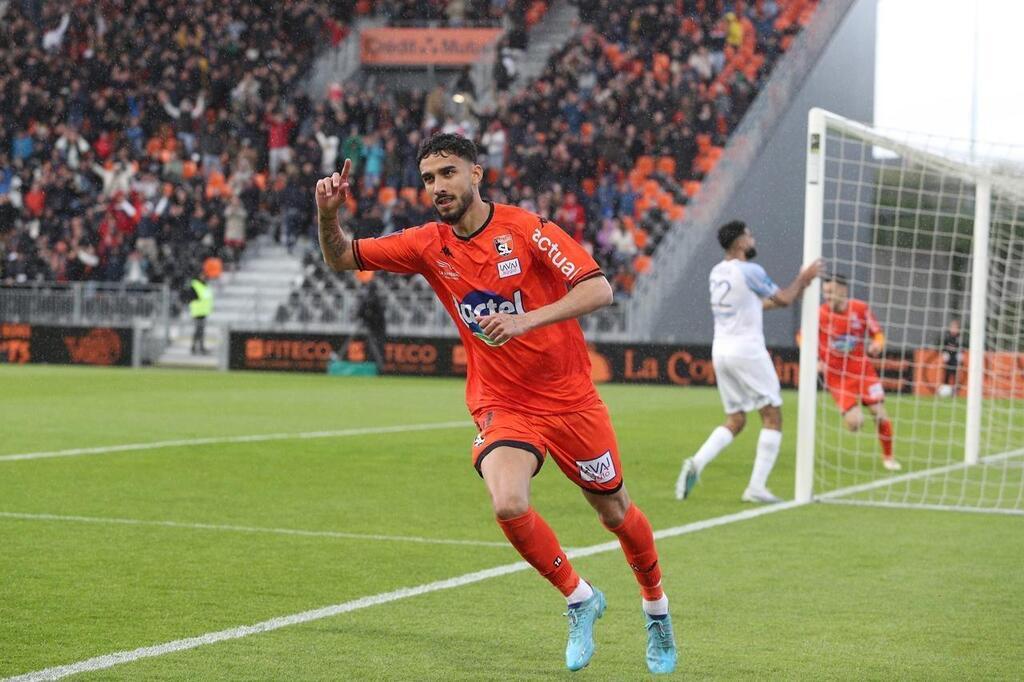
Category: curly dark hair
<point>837,277</point>
<point>730,232</point>
<point>448,144</point>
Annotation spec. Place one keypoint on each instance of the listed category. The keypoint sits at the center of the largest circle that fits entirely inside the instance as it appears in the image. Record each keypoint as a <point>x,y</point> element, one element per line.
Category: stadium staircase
<point>548,36</point>
<point>244,298</point>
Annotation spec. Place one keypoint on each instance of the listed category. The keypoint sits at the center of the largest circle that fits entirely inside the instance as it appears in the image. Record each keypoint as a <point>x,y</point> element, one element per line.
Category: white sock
<point>583,592</point>
<point>768,443</point>
<point>658,607</point>
<point>715,443</point>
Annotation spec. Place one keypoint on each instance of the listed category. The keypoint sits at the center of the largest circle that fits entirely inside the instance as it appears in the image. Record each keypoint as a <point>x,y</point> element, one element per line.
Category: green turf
<point>821,592</point>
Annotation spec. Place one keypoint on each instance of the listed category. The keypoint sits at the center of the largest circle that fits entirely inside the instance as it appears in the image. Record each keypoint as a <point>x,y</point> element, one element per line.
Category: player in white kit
<point>740,292</point>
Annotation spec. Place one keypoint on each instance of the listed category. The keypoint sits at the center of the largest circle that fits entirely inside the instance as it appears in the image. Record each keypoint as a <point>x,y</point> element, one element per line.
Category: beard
<point>453,212</point>
<point>750,253</point>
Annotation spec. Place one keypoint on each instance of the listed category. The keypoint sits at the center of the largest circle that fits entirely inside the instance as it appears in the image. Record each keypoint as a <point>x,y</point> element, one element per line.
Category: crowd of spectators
<point>142,137</point>
<point>642,79</point>
<point>138,138</point>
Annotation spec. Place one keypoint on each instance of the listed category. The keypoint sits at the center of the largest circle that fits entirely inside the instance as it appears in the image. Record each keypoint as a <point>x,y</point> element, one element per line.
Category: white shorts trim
<point>746,383</point>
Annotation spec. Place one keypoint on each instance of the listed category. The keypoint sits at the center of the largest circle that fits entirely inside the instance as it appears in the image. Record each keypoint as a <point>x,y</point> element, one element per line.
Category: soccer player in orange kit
<point>843,322</point>
<point>514,284</point>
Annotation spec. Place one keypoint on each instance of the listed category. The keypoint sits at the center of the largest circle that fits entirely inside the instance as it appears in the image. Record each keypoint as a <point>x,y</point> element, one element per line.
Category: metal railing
<point>144,307</point>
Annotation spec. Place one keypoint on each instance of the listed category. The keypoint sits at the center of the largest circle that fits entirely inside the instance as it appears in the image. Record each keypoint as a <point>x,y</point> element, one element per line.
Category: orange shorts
<point>850,388</point>
<point>582,443</point>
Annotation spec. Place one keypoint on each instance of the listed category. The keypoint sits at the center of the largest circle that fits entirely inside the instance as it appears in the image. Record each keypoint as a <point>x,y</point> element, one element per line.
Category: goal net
<point>929,234</point>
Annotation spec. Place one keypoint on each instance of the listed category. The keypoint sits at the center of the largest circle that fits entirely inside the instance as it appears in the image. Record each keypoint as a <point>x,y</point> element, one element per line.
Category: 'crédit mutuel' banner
<point>425,46</point>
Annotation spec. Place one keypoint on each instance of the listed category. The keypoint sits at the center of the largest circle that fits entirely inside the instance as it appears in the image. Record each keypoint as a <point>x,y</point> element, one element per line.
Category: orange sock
<point>885,436</point>
<point>536,542</point>
<point>637,540</point>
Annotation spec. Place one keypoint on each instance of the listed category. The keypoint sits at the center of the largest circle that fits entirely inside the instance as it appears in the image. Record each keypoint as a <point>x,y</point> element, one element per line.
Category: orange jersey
<point>841,335</point>
<point>516,262</point>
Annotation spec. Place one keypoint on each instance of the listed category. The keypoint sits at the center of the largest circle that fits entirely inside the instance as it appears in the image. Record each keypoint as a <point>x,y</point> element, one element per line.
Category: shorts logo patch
<point>508,268</point>
<point>876,392</point>
<point>503,245</point>
<point>479,440</point>
<point>598,470</point>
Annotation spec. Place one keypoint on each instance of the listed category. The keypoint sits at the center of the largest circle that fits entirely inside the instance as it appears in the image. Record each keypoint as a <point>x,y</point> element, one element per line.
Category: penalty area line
<point>24,516</point>
<point>120,657</point>
<point>254,438</point>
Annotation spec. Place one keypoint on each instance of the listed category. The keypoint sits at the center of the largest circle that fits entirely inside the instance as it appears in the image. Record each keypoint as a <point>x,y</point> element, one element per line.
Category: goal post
<point>813,213</point>
<point>929,233</point>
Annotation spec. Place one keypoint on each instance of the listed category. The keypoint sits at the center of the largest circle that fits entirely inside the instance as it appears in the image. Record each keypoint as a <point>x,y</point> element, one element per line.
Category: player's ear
<point>477,174</point>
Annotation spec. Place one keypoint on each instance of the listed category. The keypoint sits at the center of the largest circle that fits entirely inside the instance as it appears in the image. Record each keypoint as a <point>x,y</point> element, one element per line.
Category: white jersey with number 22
<point>737,289</point>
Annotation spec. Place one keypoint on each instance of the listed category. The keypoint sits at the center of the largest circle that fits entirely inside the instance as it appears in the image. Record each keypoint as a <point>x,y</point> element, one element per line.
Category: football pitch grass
<point>108,551</point>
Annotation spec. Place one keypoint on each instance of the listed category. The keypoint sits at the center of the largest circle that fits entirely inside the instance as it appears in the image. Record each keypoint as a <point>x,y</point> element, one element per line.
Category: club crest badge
<point>503,245</point>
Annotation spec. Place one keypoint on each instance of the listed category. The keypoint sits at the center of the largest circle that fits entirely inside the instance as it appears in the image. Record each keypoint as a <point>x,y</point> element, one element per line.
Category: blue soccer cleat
<point>688,478</point>
<point>580,648</point>
<point>661,645</point>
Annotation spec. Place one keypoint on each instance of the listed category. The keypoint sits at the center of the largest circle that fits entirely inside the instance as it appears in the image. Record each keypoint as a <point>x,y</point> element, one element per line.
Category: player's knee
<point>736,422</point>
<point>612,516</point>
<point>854,420</point>
<point>510,505</point>
<point>771,418</point>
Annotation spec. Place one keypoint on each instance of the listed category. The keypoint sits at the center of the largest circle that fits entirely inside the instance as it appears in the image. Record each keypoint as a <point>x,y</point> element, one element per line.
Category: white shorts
<point>747,383</point>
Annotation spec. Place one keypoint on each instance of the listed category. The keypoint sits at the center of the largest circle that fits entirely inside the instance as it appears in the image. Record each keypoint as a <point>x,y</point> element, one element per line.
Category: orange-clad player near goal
<point>843,324</point>
<point>514,285</point>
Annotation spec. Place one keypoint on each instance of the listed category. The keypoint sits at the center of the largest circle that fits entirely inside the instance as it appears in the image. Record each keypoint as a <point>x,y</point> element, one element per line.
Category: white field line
<point>248,529</point>
<point>925,507</point>
<point>117,658</point>
<point>914,475</point>
<point>256,438</point>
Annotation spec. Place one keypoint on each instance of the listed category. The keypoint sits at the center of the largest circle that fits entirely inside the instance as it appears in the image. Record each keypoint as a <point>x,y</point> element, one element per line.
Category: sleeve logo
<point>559,259</point>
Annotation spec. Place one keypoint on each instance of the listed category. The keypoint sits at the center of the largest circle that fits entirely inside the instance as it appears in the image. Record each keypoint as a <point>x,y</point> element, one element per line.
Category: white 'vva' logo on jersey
<point>599,470</point>
<point>508,268</point>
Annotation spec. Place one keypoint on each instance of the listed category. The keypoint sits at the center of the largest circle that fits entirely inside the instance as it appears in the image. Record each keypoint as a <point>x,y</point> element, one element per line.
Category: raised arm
<point>334,244</point>
<point>785,297</point>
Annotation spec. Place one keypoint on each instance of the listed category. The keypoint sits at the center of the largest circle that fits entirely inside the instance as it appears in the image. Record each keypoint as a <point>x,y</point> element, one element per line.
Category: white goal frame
<point>819,121</point>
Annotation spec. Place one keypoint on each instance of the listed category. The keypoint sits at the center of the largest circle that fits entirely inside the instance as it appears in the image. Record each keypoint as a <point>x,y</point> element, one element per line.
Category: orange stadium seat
<point>387,196</point>
<point>636,181</point>
<point>642,263</point>
<point>640,237</point>
<point>213,267</point>
<point>651,188</point>
<point>691,187</point>
<point>645,165</point>
<point>667,166</point>
<point>665,202</point>
<point>703,142</point>
<point>677,212</point>
<point>409,194</point>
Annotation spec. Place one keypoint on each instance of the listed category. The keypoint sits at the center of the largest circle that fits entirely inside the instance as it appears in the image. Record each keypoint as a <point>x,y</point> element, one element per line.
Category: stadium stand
<point>614,138</point>
<point>136,137</point>
<point>184,141</point>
